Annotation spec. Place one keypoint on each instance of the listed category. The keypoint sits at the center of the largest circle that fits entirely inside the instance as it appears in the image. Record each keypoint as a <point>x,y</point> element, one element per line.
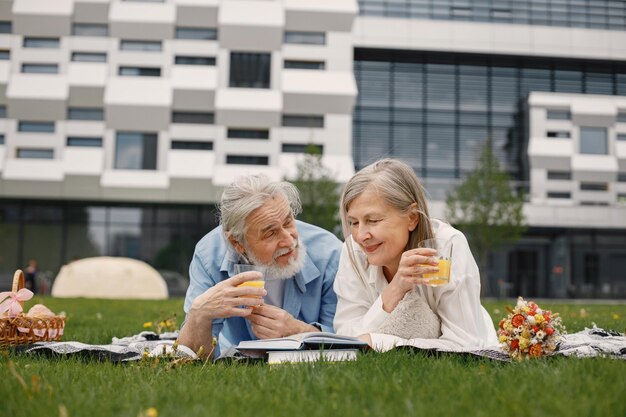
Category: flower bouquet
<point>530,332</point>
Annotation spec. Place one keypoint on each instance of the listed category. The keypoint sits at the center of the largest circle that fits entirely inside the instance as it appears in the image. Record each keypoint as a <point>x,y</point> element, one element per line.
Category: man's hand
<point>270,322</point>
<point>226,298</point>
<point>222,300</point>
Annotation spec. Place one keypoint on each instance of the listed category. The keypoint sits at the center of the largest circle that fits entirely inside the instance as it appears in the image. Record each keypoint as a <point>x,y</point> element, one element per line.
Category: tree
<point>487,209</point>
<point>318,191</point>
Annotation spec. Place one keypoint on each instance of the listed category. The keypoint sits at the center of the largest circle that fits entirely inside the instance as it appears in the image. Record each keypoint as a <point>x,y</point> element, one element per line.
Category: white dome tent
<point>109,277</point>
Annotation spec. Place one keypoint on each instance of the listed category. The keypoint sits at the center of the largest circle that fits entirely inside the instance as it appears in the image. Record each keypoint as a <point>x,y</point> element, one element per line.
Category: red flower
<point>549,330</point>
<point>517,320</point>
<point>514,344</point>
<point>535,329</point>
<point>535,350</point>
<point>502,324</point>
<point>546,316</point>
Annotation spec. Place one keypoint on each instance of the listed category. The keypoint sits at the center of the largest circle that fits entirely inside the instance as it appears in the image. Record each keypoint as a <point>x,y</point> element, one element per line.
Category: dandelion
<point>147,325</point>
<point>615,316</point>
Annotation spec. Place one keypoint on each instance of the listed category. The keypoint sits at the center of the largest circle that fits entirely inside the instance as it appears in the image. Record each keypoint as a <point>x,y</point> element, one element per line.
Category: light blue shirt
<point>308,296</point>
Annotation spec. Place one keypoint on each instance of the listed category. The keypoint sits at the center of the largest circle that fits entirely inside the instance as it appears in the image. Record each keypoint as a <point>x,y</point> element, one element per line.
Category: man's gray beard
<point>275,271</point>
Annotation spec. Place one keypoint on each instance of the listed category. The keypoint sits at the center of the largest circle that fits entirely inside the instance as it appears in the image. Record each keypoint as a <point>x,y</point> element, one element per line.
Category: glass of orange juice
<point>257,283</point>
<point>444,255</point>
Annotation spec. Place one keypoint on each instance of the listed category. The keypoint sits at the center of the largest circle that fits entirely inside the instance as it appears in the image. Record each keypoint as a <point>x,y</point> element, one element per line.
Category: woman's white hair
<point>246,194</point>
<point>398,185</point>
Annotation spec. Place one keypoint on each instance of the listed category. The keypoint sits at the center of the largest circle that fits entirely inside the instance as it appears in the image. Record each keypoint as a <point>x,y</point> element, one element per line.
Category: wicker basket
<point>22,330</point>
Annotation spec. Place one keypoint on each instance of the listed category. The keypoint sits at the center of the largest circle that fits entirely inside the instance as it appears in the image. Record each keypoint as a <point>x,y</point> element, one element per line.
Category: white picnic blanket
<point>593,342</point>
<point>590,342</point>
<point>121,349</point>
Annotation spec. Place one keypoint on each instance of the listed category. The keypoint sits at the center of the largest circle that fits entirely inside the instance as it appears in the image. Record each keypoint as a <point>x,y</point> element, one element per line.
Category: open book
<point>302,341</point>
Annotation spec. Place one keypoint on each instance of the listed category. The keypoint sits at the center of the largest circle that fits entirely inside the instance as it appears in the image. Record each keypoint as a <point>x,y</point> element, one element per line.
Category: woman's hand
<point>414,263</point>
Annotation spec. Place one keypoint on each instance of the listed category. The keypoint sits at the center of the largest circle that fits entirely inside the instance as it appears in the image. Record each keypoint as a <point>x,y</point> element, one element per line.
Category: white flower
<point>541,334</point>
<point>531,320</point>
<point>539,311</point>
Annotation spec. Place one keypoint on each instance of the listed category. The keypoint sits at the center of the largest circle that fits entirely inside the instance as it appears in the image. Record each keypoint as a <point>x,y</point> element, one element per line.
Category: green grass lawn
<point>396,383</point>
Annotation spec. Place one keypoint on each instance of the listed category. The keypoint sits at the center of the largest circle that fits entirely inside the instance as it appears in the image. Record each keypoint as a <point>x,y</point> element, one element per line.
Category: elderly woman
<point>380,293</point>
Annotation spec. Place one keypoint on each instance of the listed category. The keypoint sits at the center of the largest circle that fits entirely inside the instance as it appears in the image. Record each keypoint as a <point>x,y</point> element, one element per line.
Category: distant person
<point>258,226</point>
<point>30,276</point>
<point>385,215</point>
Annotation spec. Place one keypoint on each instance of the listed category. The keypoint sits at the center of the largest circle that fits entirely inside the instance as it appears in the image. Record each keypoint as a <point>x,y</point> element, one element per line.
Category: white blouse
<point>464,321</point>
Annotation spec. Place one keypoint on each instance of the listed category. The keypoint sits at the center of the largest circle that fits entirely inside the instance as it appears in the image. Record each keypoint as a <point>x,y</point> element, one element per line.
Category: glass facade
<point>436,110</point>
<point>55,233</point>
<point>597,14</point>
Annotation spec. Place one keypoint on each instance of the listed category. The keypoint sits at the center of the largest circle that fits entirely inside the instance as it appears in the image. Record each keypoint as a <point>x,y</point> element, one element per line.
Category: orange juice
<point>255,284</point>
<point>442,276</point>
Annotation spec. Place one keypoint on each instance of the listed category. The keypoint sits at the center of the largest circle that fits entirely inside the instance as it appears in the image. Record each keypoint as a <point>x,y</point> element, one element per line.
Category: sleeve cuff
<point>375,316</point>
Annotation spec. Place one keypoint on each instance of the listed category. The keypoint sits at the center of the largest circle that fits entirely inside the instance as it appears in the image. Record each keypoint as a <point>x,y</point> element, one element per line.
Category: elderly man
<point>258,226</point>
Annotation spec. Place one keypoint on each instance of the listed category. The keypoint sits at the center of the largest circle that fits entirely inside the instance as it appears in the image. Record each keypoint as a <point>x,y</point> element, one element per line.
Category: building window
<point>461,13</point>
<point>90,29</point>
<point>305,38</point>
<point>250,70</point>
<point>192,145</point>
<point>247,160</point>
<point>194,60</point>
<point>83,113</point>
<point>35,127</point>
<point>248,134</point>
<point>558,134</point>
<point>559,194</point>
<point>203,34</point>
<point>502,15</point>
<point>140,71</point>
<point>5,54</point>
<point>592,266</point>
<point>84,141</point>
<point>594,203</point>
<point>594,186</point>
<point>41,42</point>
<point>559,175</point>
<point>136,150</point>
<point>40,68</point>
<point>298,120</point>
<point>140,46</point>
<point>2,139</point>
<point>6,27</point>
<point>300,148</point>
<point>192,117</point>
<point>3,112</point>
<point>621,136</point>
<point>621,117</point>
<point>89,57</point>
<point>559,115</point>
<point>621,177</point>
<point>305,65</point>
<point>593,140</point>
<point>35,153</point>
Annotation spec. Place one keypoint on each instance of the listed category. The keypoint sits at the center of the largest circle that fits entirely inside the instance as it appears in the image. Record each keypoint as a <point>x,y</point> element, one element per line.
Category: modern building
<point>123,120</point>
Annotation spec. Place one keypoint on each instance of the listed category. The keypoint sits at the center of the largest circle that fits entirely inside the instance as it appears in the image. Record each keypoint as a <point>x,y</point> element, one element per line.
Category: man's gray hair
<point>248,193</point>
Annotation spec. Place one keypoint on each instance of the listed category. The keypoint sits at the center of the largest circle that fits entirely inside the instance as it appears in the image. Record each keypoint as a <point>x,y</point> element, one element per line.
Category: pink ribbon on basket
<point>11,301</point>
